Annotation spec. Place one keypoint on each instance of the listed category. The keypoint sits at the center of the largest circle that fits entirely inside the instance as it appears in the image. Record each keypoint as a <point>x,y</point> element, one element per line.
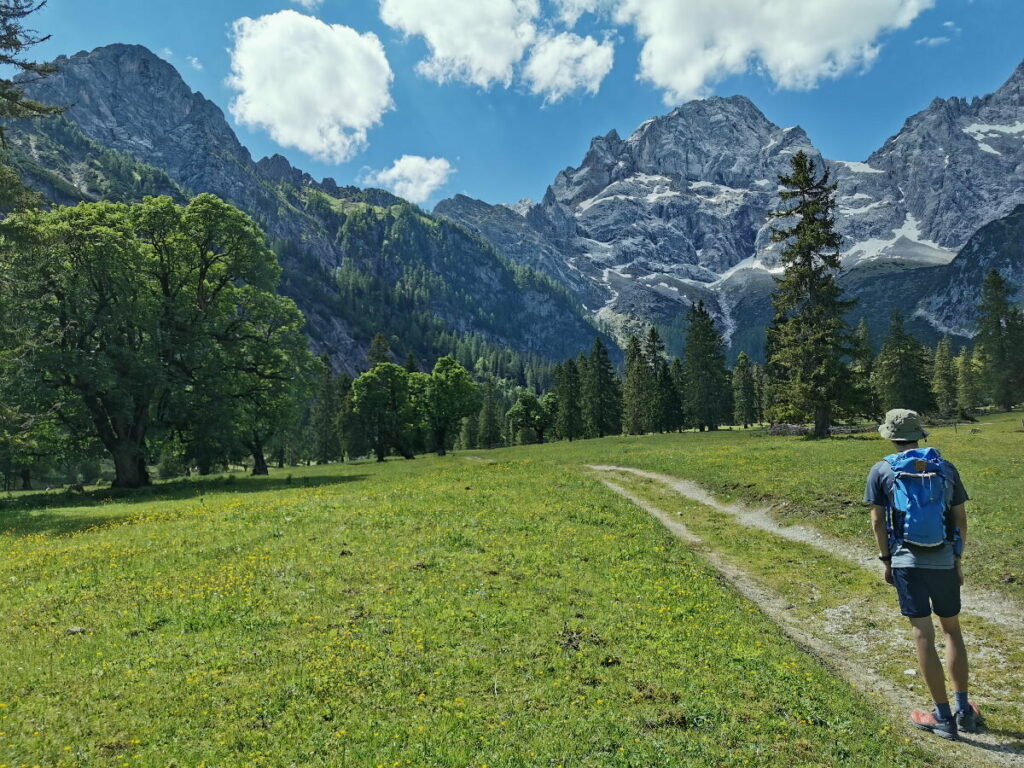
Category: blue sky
<point>500,140</point>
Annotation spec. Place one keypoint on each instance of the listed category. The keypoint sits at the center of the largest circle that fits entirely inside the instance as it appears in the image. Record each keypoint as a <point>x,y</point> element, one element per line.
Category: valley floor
<point>500,608</point>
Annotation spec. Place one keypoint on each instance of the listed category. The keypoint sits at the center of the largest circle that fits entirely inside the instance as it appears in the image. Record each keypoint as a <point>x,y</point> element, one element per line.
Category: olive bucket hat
<point>902,426</point>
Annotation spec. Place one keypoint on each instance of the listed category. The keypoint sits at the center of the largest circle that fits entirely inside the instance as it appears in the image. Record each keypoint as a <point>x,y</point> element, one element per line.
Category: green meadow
<point>498,608</point>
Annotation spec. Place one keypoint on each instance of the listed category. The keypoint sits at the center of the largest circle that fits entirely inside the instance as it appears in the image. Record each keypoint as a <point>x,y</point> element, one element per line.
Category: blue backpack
<point>922,491</point>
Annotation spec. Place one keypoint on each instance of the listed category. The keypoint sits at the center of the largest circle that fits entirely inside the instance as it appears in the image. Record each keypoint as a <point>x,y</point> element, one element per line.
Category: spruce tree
<point>678,375</point>
<point>324,417</point>
<point>808,338</point>
<point>864,401</point>
<point>967,385</point>
<point>602,394</point>
<point>15,39</point>
<point>704,371</point>
<point>760,393</point>
<point>658,396</point>
<point>672,418</point>
<point>635,390</point>
<point>743,393</point>
<point>380,351</point>
<point>901,371</point>
<point>568,392</point>
<point>410,364</point>
<point>944,379</point>
<point>491,419</point>
<point>999,343</point>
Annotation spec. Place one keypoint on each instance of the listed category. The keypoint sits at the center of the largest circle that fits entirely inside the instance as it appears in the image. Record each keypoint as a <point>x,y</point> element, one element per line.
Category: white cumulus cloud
<point>689,45</point>
<point>413,177</point>
<point>476,41</point>
<point>309,5</point>
<point>314,86</point>
<point>569,11</point>
<point>194,62</point>
<point>561,64</point>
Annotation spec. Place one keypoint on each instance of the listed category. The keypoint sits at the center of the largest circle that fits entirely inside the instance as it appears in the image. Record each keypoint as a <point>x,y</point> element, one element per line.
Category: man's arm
<point>881,538</point>
<point>960,521</point>
<point>878,528</point>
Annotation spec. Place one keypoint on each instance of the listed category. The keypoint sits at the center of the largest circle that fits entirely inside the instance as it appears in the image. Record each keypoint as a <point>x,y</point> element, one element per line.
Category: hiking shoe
<point>968,721</point>
<point>927,721</point>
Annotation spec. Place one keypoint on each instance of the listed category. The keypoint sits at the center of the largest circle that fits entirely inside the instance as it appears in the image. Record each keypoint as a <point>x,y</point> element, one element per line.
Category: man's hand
<point>960,571</point>
<point>891,583</point>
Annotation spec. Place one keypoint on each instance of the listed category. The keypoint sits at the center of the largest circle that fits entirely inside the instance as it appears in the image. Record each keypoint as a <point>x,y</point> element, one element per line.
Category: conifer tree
<point>410,364</point>
<point>808,338</point>
<point>492,417</point>
<point>568,391</point>
<point>379,352</point>
<point>1000,343</point>
<point>14,40</point>
<point>602,398</point>
<point>678,375</point>
<point>968,395</point>
<point>324,417</point>
<point>864,401</point>
<point>704,371</point>
<point>902,371</point>
<point>658,397</point>
<point>671,403</point>
<point>635,390</point>
<point>743,393</point>
<point>944,379</point>
<point>760,393</point>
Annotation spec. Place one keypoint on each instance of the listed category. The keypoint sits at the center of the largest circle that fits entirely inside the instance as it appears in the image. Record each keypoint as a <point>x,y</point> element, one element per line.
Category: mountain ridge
<point>125,101</point>
<point>677,211</point>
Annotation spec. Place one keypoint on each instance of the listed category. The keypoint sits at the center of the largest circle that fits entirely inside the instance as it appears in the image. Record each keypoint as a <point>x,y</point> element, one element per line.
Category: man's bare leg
<point>956,652</point>
<point>928,658</point>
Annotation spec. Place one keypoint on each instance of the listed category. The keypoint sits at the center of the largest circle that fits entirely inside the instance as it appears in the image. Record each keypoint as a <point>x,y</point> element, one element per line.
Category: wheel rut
<point>979,748</point>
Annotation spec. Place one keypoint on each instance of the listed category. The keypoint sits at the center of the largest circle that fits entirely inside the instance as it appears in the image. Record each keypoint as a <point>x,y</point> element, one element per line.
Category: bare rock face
<point>131,104</point>
<point>999,245</point>
<point>679,211</point>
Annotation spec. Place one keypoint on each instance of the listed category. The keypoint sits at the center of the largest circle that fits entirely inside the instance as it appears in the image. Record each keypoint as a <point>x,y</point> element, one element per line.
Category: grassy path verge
<point>990,606</point>
<point>847,616</point>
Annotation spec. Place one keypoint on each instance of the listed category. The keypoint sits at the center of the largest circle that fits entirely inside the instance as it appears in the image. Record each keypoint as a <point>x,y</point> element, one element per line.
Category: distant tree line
<point>152,333</point>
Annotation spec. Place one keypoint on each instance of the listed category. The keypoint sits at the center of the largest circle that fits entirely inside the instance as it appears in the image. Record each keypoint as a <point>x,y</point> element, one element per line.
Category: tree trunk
<point>822,421</point>
<point>440,438</point>
<point>129,466</point>
<point>26,479</point>
<point>204,466</point>
<point>259,461</point>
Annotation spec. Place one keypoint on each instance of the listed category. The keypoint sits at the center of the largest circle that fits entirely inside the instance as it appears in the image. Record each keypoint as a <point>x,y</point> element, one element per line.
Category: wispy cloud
<point>194,62</point>
<point>932,42</point>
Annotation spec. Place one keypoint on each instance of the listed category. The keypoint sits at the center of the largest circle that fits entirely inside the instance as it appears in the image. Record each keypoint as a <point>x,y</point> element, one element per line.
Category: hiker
<point>920,524</point>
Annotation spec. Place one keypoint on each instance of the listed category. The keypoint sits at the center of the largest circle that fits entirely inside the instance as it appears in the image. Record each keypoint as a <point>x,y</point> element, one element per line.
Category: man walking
<point>920,525</point>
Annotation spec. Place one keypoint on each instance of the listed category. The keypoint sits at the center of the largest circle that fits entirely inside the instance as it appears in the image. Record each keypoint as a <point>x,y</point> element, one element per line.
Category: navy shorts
<point>923,590</point>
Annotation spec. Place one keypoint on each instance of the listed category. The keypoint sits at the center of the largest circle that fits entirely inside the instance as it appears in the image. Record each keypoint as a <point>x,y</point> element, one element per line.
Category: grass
<point>437,612</point>
<point>851,607</point>
<point>821,483</point>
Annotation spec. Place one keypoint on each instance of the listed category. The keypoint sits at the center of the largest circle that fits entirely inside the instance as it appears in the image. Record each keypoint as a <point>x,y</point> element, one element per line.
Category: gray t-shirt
<point>879,492</point>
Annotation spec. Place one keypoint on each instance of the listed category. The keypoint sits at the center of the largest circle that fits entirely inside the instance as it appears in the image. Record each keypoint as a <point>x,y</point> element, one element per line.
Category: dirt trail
<point>990,606</point>
<point>777,608</point>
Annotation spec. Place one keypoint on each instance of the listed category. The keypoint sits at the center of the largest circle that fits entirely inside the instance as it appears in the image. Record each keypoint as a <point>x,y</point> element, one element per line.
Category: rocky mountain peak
<point>278,168</point>
<point>129,99</point>
<point>1012,91</point>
